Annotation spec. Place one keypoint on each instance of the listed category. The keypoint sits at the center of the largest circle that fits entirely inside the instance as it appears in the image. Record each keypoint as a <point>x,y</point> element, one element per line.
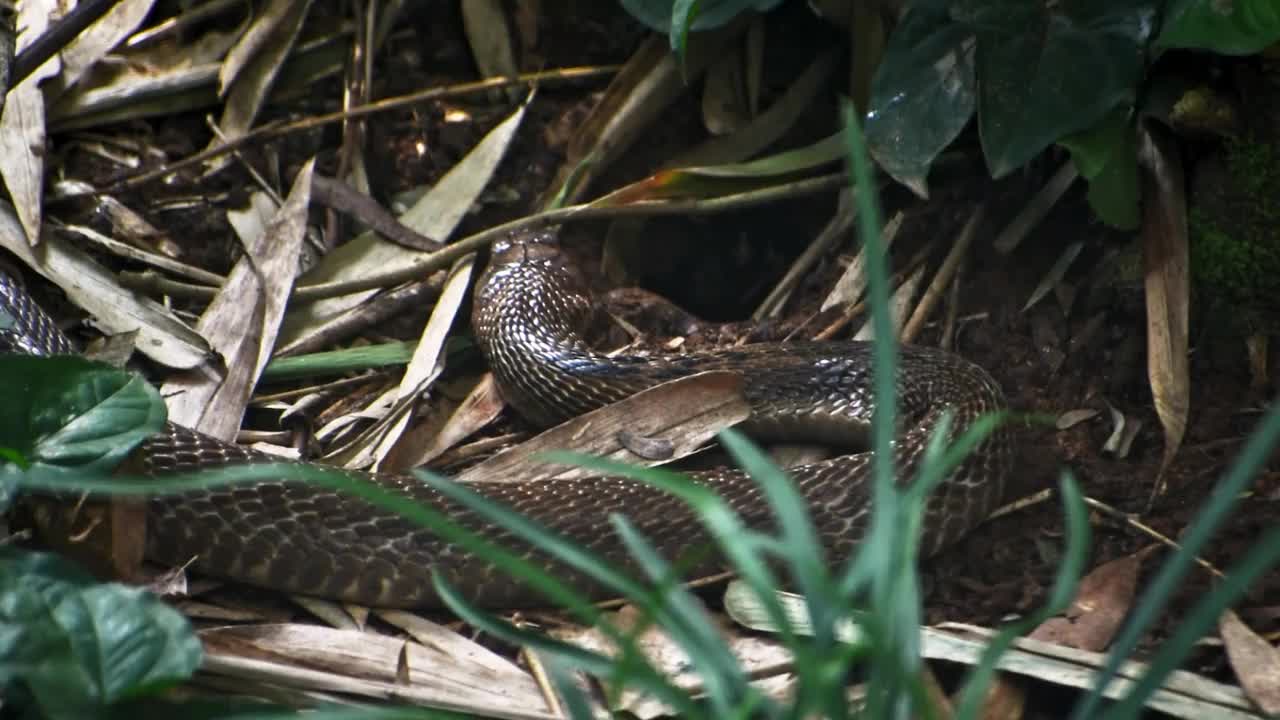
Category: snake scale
<point>529,308</point>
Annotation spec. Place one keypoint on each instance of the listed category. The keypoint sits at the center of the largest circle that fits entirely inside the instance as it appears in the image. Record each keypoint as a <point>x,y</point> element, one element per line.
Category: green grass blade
<point>562,549</point>
<point>515,565</point>
<point>575,700</point>
<point>639,673</point>
<point>801,548</point>
<point>687,623</point>
<point>1065,583</point>
<point>1221,501</point>
<point>1261,557</point>
<point>741,546</point>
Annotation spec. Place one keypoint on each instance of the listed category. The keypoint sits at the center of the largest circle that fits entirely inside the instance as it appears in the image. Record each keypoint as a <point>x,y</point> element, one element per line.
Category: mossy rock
<point>1235,236</point>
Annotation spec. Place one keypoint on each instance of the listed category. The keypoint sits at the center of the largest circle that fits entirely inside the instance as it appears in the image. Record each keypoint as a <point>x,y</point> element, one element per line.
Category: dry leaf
<point>1255,661</point>
<point>1100,606</point>
<point>316,658</point>
<point>688,410</point>
<point>435,215</point>
<point>1167,281</point>
<point>244,318</point>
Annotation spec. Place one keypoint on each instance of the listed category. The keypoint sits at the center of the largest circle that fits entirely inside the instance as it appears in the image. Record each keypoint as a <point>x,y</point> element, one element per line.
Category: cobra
<point>530,306</point>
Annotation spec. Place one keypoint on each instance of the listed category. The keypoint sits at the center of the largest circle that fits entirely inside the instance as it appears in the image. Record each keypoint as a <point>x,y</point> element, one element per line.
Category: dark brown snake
<point>529,307</point>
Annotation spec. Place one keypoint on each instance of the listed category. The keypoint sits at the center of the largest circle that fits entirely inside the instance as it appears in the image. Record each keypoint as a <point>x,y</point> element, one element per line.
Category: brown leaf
<point>426,441</point>
<point>689,411</point>
<point>1168,289</point>
<point>1099,607</point>
<point>1006,699</point>
<point>1255,661</point>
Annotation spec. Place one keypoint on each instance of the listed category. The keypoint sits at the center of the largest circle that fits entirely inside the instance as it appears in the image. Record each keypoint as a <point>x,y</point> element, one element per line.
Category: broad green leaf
<point>1240,27</point>
<point>72,413</point>
<point>1058,73</point>
<point>922,95</point>
<point>69,644</point>
<point>1106,156</point>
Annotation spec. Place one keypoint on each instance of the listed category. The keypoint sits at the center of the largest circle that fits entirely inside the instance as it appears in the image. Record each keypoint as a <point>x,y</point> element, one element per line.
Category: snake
<point>529,310</point>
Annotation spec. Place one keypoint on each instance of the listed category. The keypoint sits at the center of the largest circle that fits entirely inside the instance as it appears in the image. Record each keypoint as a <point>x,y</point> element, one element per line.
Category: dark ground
<point>1047,361</point>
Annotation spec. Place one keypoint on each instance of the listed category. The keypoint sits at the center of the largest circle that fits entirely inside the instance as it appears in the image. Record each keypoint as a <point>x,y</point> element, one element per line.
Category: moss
<point>1235,238</point>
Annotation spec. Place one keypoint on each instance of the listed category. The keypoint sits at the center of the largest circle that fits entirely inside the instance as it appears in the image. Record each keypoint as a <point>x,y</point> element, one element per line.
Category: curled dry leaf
<point>314,658</point>
<point>689,410</point>
<point>1168,288</point>
<point>1100,605</point>
<point>1071,418</point>
<point>1255,661</point>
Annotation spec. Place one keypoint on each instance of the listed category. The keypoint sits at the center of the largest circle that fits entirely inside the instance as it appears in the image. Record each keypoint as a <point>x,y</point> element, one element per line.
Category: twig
<point>267,132</point>
<point>57,37</point>
<point>445,256</point>
<point>943,276</point>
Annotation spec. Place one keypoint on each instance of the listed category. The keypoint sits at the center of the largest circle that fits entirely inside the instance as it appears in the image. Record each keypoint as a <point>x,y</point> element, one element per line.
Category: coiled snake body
<point>528,308</point>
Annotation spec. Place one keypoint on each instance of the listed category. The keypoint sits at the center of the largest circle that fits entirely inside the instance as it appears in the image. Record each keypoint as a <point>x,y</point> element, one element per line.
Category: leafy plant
<point>1033,73</point>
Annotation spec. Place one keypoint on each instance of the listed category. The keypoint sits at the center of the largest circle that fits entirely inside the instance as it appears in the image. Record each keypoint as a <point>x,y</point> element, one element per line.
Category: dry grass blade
<point>100,38</point>
<point>248,86</point>
<point>1255,661</point>
<point>1036,209</point>
<point>428,357</point>
<point>946,273</point>
<point>428,440</point>
<point>435,215</point>
<point>853,282</point>
<point>689,411</point>
<point>161,336</point>
<point>767,127</point>
<point>1168,286</point>
<point>22,129</point>
<point>244,318</point>
<point>648,83</point>
<point>768,662</point>
<point>310,657</point>
<point>489,34</point>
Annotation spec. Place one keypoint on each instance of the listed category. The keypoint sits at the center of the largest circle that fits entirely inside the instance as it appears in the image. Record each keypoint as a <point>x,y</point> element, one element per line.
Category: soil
<point>1051,358</point>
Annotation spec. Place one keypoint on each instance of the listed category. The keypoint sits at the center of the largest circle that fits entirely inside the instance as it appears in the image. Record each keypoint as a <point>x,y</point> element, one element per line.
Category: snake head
<point>522,256</point>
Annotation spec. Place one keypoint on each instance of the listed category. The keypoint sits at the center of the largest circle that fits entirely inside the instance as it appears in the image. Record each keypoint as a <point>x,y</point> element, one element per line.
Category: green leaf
<point>1106,156</point>
<point>1058,72</point>
<point>68,412</point>
<point>1240,27</point>
<point>922,95</point>
<point>661,15</point>
<point>69,644</point>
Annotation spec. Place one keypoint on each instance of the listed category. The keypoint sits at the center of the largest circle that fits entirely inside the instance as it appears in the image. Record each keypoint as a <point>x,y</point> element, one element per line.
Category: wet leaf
<point>922,95</point>
<point>69,644</point>
<point>1240,27</point>
<point>1049,71</point>
<point>68,412</point>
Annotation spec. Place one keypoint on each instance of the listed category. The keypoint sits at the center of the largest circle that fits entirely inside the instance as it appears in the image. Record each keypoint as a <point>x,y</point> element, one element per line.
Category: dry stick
<point>444,257</point>
<point>948,338</point>
<point>944,275</point>
<point>1036,209</point>
<point>267,132</point>
<point>836,228</point>
<point>366,314</point>
<point>1150,531</point>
